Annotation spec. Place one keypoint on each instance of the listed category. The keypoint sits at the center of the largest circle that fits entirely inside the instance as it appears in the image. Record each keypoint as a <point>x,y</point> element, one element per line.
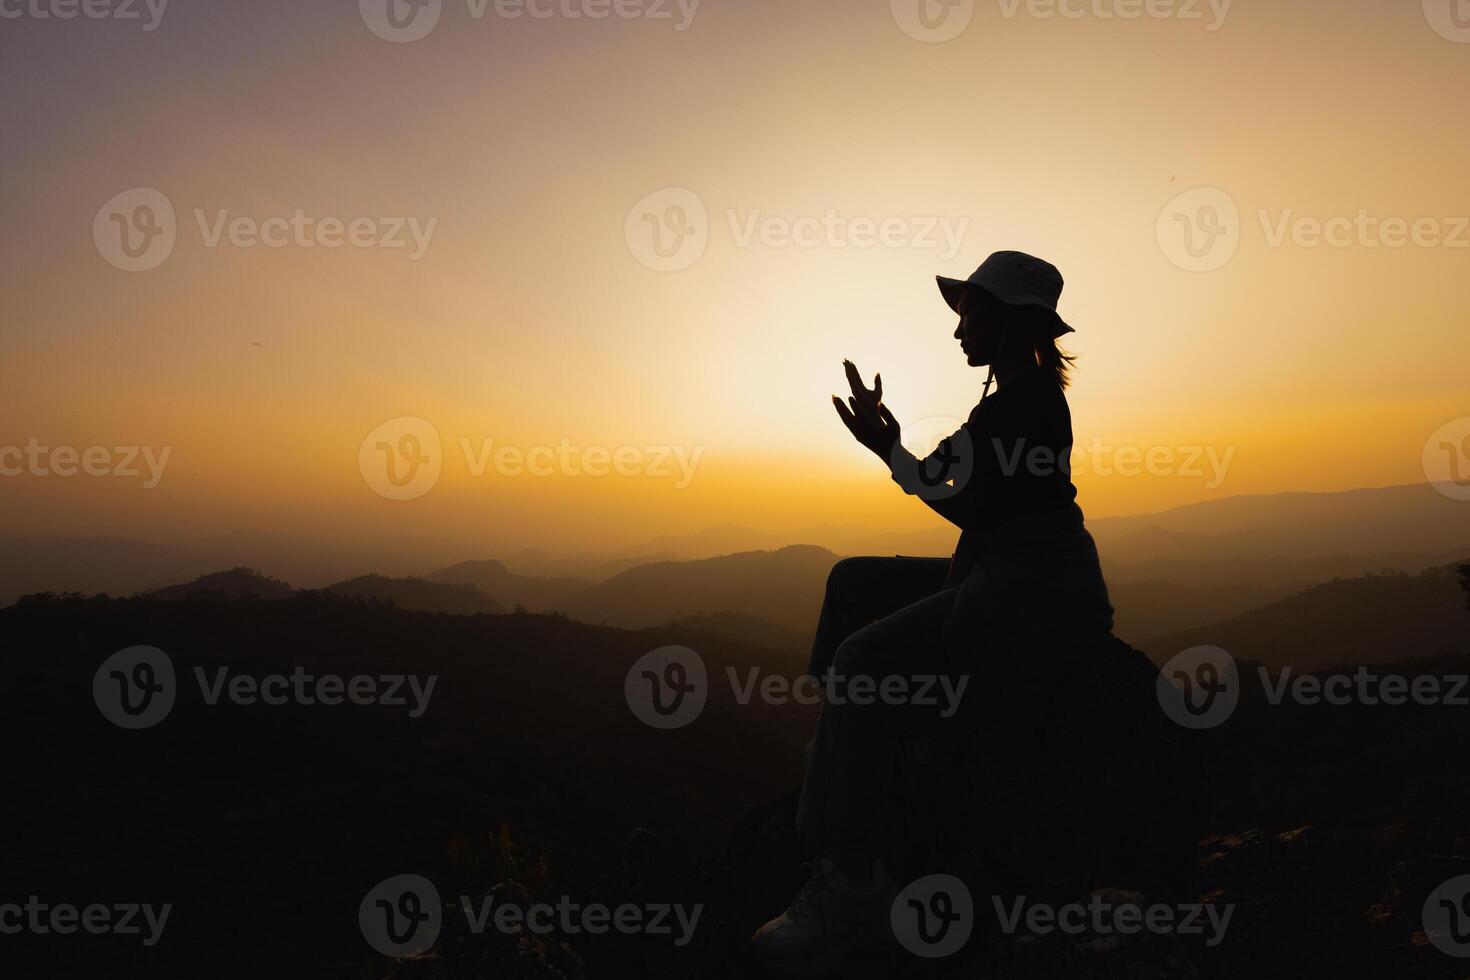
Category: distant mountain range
<point>237,583</point>
<point>783,587</point>
<point>1342,623</point>
<point>413,594</point>
<point>1246,568</point>
<point>419,594</point>
<point>493,578</point>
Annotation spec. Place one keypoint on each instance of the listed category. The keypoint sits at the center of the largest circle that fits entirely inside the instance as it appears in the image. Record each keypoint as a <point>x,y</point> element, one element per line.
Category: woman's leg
<point>844,801</point>
<point>863,590</point>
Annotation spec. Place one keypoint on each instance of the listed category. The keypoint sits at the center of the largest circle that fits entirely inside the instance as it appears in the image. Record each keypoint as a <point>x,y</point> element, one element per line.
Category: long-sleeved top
<point>1011,459</point>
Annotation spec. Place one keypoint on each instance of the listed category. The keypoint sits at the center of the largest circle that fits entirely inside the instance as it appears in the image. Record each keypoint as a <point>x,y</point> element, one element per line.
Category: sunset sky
<point>518,147</point>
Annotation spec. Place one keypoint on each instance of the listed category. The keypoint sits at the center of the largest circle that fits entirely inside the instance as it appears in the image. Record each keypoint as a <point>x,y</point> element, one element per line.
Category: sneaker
<point>826,921</point>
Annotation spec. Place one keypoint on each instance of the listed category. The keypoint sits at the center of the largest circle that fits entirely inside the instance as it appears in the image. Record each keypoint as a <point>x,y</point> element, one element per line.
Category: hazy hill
<point>746,629</point>
<point>722,539</point>
<point>1152,608</point>
<point>1284,542</point>
<point>783,587</point>
<point>591,566</point>
<point>1345,622</point>
<point>506,587</point>
<point>1281,543</point>
<point>1410,519</point>
<point>116,566</point>
<point>418,594</point>
<point>233,584</point>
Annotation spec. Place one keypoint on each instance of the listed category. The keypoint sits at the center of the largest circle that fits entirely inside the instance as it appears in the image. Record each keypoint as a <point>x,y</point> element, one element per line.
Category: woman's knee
<point>857,656</point>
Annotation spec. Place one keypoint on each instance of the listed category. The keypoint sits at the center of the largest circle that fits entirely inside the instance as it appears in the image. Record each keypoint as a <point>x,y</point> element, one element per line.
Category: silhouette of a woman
<point>1025,567</point>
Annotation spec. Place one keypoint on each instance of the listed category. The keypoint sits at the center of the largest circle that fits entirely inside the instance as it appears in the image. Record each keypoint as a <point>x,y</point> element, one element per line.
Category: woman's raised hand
<point>865,415</point>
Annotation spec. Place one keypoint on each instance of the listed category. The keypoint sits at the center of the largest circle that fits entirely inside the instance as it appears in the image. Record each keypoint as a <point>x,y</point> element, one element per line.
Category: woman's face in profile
<point>979,327</point>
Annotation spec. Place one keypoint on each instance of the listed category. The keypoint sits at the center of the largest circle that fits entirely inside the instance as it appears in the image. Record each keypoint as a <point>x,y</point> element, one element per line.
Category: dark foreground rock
<point>1300,906</point>
<point>1086,806</point>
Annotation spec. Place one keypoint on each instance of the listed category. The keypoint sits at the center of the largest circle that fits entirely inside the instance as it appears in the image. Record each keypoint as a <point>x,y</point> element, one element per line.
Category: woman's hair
<point>1036,322</point>
<point>1051,357</point>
